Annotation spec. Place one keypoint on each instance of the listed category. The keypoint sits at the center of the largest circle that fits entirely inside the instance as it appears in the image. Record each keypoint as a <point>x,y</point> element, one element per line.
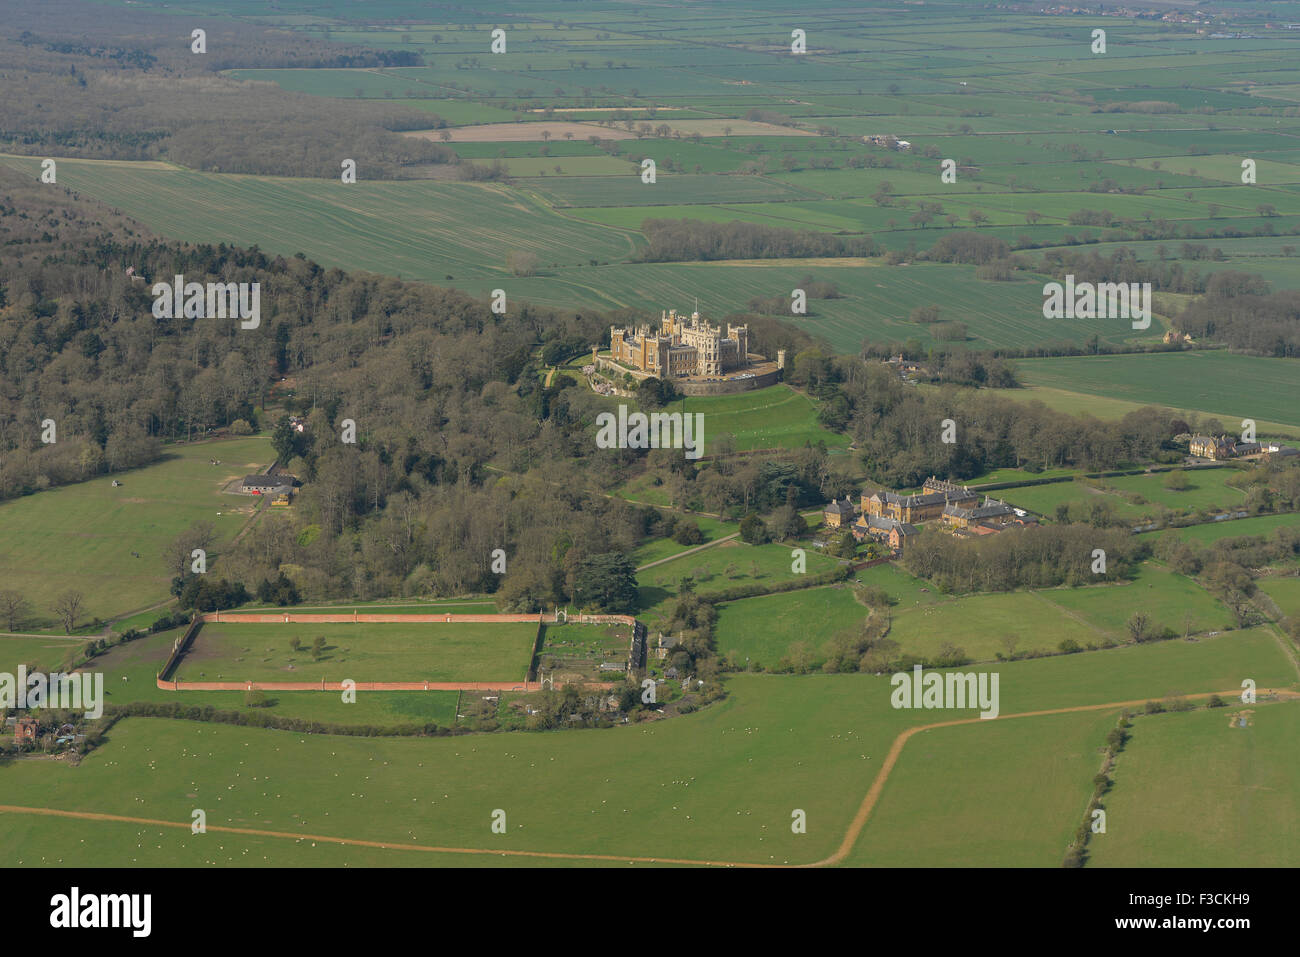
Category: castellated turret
<point>682,347</point>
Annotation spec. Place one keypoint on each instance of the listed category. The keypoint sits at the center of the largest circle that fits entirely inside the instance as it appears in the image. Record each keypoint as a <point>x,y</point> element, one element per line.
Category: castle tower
<point>780,358</point>
<point>741,335</point>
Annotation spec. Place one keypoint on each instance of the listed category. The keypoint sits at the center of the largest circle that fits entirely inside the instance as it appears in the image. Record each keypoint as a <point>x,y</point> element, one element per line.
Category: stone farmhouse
<point>1216,447</point>
<point>839,514</point>
<point>889,530</point>
<point>993,516</point>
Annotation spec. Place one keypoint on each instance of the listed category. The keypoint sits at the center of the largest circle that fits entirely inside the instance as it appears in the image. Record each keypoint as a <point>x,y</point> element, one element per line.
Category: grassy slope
<point>82,536</point>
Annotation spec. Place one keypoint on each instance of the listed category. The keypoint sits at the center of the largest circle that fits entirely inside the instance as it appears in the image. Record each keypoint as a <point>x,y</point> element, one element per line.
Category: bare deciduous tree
<point>68,607</point>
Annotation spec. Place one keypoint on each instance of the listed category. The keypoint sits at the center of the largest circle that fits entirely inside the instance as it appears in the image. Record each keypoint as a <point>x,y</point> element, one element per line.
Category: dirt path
<point>846,845</point>
<point>386,845</point>
<point>896,749</point>
<point>689,551</point>
<point>24,634</point>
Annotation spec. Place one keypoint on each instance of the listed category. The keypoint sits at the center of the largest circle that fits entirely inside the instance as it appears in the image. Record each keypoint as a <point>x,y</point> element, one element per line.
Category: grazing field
<point>1213,531</point>
<point>984,626</point>
<point>1239,799</point>
<point>1020,790</point>
<point>1168,599</point>
<point>1206,489</point>
<point>571,792</point>
<point>987,625</point>
<point>758,632</point>
<point>433,651</point>
<point>84,535</point>
<point>1285,591</point>
<point>130,671</point>
<point>42,653</point>
<point>813,743</point>
<point>1132,497</point>
<point>1044,499</point>
<point>1214,383</point>
<point>728,565</point>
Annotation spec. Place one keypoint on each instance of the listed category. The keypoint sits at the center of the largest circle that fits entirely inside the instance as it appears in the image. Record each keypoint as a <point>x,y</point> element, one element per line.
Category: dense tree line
<point>899,428</point>
<point>689,240</point>
<point>1032,557</point>
<point>1238,311</point>
<point>968,247</point>
<point>1123,266</point>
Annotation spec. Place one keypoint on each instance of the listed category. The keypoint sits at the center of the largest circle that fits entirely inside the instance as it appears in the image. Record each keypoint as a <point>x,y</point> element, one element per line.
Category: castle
<point>681,347</point>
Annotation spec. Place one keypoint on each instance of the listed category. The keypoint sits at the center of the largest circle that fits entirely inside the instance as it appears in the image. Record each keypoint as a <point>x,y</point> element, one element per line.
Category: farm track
<point>850,838</point>
<point>689,551</point>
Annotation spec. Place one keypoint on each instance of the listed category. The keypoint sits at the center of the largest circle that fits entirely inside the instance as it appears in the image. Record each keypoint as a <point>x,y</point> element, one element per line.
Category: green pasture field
<point>772,418</point>
<point>572,792</point>
<point>35,841</point>
<point>1207,488</point>
<point>668,189</point>
<point>1166,597</point>
<point>661,548</point>
<point>1024,786</point>
<point>876,302</point>
<point>130,671</point>
<point>728,565</point>
<point>813,742</point>
<point>759,631</point>
<point>1043,499</point>
<point>433,651</point>
<point>567,166</point>
<point>1214,531</point>
<point>1228,168</point>
<point>1104,407</point>
<point>82,536</point>
<point>997,476</point>
<point>1235,801</point>
<point>1150,671</point>
<point>1211,382</point>
<point>46,654</point>
<point>415,230</point>
<point>1285,591</point>
<point>982,625</point>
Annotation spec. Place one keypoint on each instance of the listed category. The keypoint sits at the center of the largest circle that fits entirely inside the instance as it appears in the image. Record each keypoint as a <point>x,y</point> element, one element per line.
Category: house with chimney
<point>936,495</point>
